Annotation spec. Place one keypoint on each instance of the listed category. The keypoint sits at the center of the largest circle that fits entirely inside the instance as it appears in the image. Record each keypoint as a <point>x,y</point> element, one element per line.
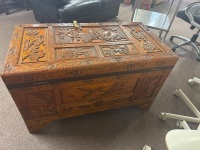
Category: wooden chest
<point>57,71</point>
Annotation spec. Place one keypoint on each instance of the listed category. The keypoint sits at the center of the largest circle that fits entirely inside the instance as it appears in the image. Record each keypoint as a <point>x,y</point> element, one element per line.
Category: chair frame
<point>187,41</point>
<point>182,120</point>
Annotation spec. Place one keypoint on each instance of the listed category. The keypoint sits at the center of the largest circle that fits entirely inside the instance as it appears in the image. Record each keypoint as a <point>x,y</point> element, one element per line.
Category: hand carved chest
<point>56,71</point>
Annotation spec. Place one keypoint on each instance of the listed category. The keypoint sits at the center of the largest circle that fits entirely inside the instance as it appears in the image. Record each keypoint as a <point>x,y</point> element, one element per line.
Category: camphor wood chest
<point>56,71</point>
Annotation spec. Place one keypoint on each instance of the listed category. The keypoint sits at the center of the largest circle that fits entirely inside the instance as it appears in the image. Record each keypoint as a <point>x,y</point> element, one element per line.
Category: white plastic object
<point>180,139</point>
<point>146,147</point>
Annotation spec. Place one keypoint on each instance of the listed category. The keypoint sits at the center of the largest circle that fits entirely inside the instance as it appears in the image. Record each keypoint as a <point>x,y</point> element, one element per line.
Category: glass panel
<point>157,14</point>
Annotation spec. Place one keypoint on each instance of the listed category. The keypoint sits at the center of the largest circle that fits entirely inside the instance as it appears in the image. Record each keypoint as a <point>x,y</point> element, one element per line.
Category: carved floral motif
<point>141,36</point>
<point>12,51</point>
<point>118,50</point>
<point>149,46</point>
<point>15,36</point>
<point>8,68</point>
<point>52,66</point>
<point>73,53</point>
<point>108,34</point>
<point>117,59</point>
<point>34,49</point>
<point>86,62</point>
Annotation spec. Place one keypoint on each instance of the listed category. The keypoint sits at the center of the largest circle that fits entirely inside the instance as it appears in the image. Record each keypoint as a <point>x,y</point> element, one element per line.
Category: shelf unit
<point>156,20</point>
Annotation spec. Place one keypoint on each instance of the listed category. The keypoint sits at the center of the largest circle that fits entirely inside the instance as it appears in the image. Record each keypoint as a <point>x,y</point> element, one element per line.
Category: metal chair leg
<point>160,33</point>
<point>179,37</point>
<point>188,102</point>
<point>165,35</point>
<point>181,44</point>
<point>182,119</point>
<point>164,116</point>
<point>182,124</point>
<point>194,45</point>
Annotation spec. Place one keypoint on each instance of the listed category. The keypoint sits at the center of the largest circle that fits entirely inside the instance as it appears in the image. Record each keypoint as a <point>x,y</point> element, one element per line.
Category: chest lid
<point>41,52</point>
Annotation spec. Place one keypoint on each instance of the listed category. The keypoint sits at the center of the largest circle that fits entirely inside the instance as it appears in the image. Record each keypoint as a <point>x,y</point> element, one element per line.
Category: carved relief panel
<point>146,86</point>
<point>118,50</point>
<point>144,39</point>
<point>93,106</point>
<point>89,34</point>
<point>76,53</point>
<point>34,48</point>
<point>103,87</point>
<point>43,103</point>
<point>35,102</point>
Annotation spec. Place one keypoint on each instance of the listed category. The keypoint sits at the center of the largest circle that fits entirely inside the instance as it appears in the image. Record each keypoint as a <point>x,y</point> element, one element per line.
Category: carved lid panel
<point>89,34</point>
<point>34,48</point>
<point>41,52</point>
